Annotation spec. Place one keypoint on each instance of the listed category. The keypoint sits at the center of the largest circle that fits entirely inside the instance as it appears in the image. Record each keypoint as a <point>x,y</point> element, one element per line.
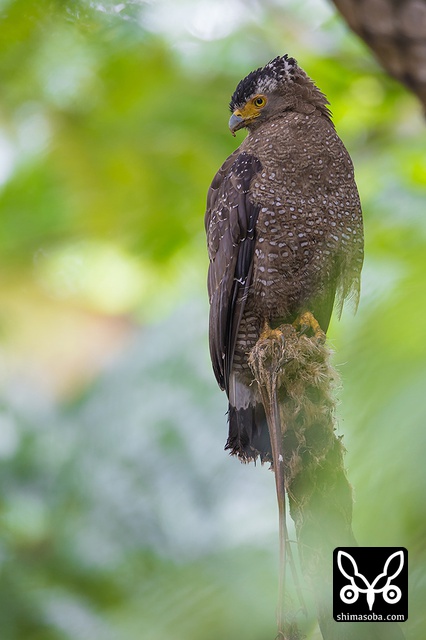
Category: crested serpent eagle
<point>284,231</point>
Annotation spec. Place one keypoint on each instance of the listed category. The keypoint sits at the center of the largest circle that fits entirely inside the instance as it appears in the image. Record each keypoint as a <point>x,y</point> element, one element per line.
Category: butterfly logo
<point>359,583</point>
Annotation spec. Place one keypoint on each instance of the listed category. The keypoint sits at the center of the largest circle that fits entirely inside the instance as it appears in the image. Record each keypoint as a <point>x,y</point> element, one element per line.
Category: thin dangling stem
<point>266,363</point>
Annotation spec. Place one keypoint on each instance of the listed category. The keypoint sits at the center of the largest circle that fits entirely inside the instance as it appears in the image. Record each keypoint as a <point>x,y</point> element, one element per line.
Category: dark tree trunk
<point>395,31</point>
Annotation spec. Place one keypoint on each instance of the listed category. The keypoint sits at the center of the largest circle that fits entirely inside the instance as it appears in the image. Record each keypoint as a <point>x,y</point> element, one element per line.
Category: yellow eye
<point>259,101</point>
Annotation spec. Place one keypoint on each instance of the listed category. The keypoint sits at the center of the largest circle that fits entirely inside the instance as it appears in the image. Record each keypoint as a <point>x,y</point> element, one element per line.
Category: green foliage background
<point>120,515</point>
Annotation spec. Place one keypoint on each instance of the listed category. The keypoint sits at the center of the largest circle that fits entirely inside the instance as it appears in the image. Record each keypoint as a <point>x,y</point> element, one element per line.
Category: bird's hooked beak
<point>236,121</point>
<point>243,116</point>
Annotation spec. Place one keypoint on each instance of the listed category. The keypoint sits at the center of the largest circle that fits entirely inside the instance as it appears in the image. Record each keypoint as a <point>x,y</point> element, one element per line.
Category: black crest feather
<point>264,79</point>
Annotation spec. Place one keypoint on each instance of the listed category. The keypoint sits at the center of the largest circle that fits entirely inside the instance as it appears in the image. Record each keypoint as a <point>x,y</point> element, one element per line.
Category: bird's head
<point>279,86</point>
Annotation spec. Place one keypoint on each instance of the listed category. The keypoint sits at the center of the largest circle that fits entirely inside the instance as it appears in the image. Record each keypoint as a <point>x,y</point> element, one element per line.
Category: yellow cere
<point>252,108</point>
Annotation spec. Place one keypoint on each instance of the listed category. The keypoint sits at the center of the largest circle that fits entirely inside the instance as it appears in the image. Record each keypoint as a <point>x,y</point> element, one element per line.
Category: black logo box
<point>370,583</point>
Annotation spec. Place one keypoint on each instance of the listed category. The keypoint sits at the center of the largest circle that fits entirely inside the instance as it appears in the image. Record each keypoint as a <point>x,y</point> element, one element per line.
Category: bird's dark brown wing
<point>230,226</point>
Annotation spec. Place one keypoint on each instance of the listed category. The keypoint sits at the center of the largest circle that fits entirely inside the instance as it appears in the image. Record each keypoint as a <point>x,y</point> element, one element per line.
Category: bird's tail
<point>248,429</point>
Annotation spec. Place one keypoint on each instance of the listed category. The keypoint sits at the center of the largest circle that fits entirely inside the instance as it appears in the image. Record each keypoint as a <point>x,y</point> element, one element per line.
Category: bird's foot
<point>268,333</point>
<point>307,322</point>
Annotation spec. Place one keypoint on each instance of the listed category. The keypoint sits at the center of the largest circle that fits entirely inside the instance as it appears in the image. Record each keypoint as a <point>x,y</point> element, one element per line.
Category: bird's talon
<point>271,334</point>
<point>320,337</point>
<point>304,328</point>
<point>307,322</point>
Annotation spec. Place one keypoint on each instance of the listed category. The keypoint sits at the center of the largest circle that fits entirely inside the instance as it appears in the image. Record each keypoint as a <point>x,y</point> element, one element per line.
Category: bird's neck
<point>308,97</point>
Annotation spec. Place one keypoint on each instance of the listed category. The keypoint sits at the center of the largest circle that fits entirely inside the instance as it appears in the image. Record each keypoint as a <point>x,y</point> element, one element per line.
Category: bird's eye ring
<point>259,101</point>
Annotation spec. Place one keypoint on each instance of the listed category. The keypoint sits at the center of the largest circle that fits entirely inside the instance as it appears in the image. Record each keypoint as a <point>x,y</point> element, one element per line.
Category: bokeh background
<point>120,515</point>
